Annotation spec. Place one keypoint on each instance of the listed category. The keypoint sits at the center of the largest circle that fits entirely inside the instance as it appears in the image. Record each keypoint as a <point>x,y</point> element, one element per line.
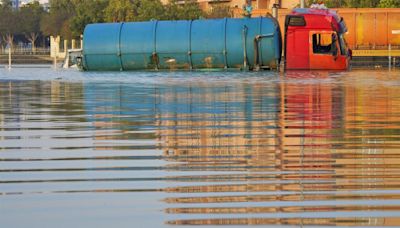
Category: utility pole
<point>302,4</point>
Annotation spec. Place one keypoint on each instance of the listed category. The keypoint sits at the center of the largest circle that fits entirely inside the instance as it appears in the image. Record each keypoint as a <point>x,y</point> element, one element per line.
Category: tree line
<point>68,18</point>
<point>360,3</point>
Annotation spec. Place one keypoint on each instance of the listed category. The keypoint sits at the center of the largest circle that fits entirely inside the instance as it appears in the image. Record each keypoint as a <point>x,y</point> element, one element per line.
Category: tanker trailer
<point>241,43</point>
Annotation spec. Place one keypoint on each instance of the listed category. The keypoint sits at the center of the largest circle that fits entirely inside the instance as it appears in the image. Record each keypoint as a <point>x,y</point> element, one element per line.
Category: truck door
<point>325,51</point>
<point>297,51</point>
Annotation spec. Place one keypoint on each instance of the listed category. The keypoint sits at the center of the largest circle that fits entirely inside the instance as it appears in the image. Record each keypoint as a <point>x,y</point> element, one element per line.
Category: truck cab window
<point>323,43</point>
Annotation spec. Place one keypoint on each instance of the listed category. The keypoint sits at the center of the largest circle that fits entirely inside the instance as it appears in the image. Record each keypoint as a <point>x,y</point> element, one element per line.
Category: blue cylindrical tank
<point>194,44</point>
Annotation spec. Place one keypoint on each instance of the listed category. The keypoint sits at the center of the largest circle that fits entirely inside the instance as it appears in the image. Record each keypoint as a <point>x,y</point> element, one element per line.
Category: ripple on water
<point>199,148</point>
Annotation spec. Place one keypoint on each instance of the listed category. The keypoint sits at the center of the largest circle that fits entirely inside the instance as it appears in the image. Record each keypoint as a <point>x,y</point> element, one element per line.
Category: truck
<point>314,39</point>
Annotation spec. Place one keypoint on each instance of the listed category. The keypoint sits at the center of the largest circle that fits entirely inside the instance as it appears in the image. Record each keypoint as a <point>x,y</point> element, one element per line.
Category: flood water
<point>205,148</point>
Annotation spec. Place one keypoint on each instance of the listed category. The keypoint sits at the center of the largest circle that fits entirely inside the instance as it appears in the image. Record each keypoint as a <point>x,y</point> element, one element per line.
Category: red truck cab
<point>314,39</point>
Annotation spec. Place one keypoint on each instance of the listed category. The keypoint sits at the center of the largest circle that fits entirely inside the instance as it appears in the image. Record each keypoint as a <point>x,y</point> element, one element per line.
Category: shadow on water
<point>303,148</point>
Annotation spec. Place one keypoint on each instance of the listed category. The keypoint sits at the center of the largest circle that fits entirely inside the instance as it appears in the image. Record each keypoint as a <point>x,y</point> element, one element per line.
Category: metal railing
<point>25,51</point>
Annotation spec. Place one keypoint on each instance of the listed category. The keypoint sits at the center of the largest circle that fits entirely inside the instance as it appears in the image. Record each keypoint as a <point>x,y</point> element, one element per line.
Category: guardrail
<point>25,51</point>
<point>382,53</point>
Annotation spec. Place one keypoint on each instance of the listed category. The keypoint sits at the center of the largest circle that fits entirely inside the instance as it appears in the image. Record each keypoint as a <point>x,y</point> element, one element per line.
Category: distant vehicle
<point>314,39</point>
<point>73,58</point>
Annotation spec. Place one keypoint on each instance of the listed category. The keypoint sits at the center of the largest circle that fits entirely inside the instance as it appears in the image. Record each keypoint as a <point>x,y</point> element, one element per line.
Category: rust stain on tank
<point>208,61</point>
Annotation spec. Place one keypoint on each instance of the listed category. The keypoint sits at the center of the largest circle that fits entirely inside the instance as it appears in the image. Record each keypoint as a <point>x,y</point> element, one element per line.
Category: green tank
<point>246,43</point>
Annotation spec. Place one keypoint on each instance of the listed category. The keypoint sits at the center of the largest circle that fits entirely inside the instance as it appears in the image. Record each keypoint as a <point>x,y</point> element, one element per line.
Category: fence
<point>59,47</point>
<point>25,51</point>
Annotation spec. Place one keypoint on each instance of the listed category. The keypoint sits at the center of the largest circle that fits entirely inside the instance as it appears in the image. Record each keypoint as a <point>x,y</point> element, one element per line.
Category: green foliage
<point>144,10</point>
<point>9,22</point>
<point>68,18</point>
<point>189,10</point>
<point>120,10</point>
<point>5,5</point>
<point>172,10</point>
<point>335,3</point>
<point>349,3</point>
<point>178,10</point>
<point>389,3</point>
<point>88,11</point>
<point>362,3</point>
<point>57,21</point>
<point>30,16</point>
<point>150,9</point>
<point>219,11</point>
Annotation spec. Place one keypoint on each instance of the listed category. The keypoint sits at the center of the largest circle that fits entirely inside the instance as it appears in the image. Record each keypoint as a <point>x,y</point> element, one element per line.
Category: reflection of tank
<point>217,43</point>
<point>220,122</point>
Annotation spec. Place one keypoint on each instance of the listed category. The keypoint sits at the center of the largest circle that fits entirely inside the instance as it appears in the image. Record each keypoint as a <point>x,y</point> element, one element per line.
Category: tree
<point>172,10</point>
<point>335,3</point>
<point>30,16</point>
<point>144,10</point>
<point>362,3</point>
<point>348,3</point>
<point>57,21</point>
<point>88,11</point>
<point>182,10</point>
<point>9,23</point>
<point>219,11</point>
<point>150,9</point>
<point>120,10</point>
<point>389,3</point>
<point>190,10</point>
<point>6,4</point>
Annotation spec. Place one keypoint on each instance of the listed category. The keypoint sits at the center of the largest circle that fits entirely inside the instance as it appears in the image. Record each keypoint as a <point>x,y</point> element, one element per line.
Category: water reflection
<point>346,222</point>
<point>296,136</point>
<point>273,150</point>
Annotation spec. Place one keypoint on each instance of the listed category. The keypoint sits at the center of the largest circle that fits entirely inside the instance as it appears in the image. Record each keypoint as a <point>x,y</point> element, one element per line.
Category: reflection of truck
<point>313,40</point>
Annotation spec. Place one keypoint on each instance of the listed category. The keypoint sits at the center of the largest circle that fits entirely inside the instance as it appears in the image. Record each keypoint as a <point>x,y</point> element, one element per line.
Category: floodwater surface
<point>157,149</point>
